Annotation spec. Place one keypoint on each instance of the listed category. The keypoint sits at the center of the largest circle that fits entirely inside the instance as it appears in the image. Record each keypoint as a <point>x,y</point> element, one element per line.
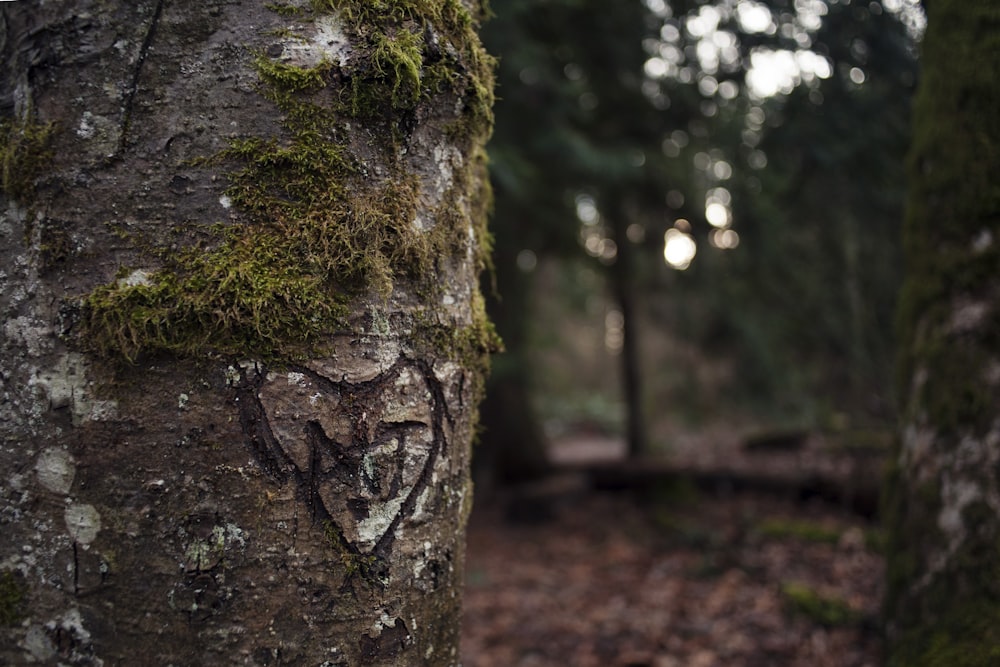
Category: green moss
<point>828,611</point>
<point>284,9</point>
<point>968,637</point>
<point>12,598</point>
<point>318,228</point>
<point>875,540</point>
<point>470,346</point>
<point>953,201</point>
<point>24,154</point>
<point>355,564</point>
<point>800,530</point>
<point>283,79</point>
<point>245,297</point>
<point>397,63</point>
<point>418,49</point>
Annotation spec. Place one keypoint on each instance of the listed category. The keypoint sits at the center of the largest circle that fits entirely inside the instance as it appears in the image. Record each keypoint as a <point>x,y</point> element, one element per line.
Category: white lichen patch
<point>29,334</point>
<point>201,555</point>
<point>968,316</point>
<point>55,469</point>
<point>380,516</point>
<point>447,371</point>
<point>420,513</point>
<point>982,242</point>
<point>327,44</point>
<point>101,132</point>
<point>956,495</point>
<point>233,374</point>
<point>448,160</point>
<point>83,522</point>
<point>65,385</point>
<point>85,129</point>
<point>422,559</point>
<point>383,621</point>
<point>37,645</point>
<point>139,277</point>
<point>76,642</point>
<point>964,482</point>
<point>233,534</point>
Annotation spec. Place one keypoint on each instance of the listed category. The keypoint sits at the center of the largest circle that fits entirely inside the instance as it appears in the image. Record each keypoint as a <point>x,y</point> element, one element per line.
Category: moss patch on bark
<point>24,154</point>
<point>13,595</point>
<point>318,228</point>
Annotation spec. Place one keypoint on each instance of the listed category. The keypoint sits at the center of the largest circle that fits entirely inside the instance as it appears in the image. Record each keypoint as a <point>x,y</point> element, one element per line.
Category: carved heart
<point>359,436</point>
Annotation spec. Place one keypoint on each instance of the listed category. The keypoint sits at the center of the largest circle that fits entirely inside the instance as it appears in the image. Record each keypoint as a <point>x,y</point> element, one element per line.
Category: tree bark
<point>943,504</point>
<point>243,341</point>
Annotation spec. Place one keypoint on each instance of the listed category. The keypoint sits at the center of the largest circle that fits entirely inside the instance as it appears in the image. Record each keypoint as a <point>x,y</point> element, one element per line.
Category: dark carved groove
<point>133,86</point>
<point>438,413</point>
<point>253,420</point>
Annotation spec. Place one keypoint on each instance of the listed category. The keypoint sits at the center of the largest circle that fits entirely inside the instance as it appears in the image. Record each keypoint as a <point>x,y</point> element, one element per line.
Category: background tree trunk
<point>944,498</point>
<point>243,339</point>
<point>623,290</point>
<point>512,446</point>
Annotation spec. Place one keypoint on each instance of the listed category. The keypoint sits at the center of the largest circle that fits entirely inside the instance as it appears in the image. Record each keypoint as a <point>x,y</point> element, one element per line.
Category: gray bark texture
<point>188,478</point>
<point>943,498</point>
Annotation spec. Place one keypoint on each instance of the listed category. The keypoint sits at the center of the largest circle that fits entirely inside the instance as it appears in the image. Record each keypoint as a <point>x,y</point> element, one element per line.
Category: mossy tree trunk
<point>243,341</point>
<point>943,508</point>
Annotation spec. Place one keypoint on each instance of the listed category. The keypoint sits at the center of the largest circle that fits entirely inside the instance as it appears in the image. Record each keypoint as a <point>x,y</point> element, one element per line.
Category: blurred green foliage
<point>624,106</point>
<point>828,611</point>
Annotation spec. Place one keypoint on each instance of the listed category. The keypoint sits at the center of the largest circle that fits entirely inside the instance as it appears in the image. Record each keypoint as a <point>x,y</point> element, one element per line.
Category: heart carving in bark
<point>358,433</point>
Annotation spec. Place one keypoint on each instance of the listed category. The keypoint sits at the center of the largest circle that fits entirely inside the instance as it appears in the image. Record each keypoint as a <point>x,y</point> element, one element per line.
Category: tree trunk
<point>243,340</point>
<point>512,447</point>
<point>943,508</point>
<point>623,290</point>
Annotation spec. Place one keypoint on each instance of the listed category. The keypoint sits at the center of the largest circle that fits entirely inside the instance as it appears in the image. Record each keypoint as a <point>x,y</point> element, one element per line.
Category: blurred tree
<point>571,119</point>
<point>660,119</point>
<point>944,498</point>
<point>805,304</point>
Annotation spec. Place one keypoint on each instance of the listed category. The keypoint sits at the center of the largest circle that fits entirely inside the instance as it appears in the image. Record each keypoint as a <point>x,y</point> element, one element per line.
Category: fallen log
<point>857,492</point>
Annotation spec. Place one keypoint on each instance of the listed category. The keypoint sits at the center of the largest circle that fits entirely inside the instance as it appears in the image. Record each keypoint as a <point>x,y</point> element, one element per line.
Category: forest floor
<point>672,577</point>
